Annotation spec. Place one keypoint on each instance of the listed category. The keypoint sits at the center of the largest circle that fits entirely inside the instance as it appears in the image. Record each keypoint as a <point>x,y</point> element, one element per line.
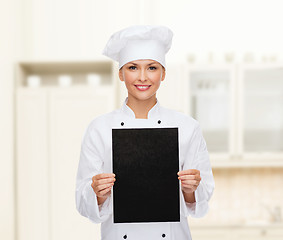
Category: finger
<point>185,177</point>
<point>106,190</point>
<point>191,182</point>
<point>103,175</point>
<point>188,171</point>
<point>190,177</point>
<point>104,180</point>
<point>189,186</point>
<point>103,186</point>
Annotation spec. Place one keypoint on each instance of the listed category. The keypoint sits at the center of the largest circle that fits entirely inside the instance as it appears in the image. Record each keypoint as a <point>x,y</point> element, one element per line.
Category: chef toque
<point>139,42</point>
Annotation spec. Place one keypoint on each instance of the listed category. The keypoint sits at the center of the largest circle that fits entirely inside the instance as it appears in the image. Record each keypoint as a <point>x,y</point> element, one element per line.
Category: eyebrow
<point>147,64</point>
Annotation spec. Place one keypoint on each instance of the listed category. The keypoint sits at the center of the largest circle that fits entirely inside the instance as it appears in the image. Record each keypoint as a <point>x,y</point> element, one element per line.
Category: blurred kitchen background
<point>225,68</point>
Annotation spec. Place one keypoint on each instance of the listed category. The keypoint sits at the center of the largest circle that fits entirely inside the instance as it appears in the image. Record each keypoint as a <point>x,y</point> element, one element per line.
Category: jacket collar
<point>153,112</point>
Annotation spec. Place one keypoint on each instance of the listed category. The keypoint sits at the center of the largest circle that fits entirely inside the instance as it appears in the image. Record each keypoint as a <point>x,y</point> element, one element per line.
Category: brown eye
<point>132,67</point>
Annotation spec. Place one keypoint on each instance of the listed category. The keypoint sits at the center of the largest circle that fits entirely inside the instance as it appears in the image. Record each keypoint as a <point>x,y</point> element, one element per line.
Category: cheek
<point>129,76</point>
<point>155,77</point>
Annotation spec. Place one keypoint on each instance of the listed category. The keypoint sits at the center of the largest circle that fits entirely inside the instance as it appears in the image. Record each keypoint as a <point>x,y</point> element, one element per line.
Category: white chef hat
<point>139,42</point>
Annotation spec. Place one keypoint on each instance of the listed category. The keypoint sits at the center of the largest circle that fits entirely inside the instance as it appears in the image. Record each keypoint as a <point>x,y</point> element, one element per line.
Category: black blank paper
<point>146,162</point>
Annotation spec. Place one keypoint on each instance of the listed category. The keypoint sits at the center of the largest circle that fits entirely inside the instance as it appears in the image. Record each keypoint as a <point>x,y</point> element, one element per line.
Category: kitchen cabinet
<point>261,112</point>
<point>211,100</point>
<point>240,110</point>
<point>69,114</point>
<point>32,186</point>
<point>50,124</point>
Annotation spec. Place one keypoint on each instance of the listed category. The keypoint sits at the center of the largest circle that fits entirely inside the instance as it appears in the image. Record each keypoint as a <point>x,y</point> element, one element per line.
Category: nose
<point>143,75</point>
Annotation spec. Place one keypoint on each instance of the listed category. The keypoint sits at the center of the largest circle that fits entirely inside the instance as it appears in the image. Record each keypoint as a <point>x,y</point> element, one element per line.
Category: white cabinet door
<point>261,112</point>
<point>209,92</point>
<point>32,165</point>
<point>50,126</point>
<point>70,113</point>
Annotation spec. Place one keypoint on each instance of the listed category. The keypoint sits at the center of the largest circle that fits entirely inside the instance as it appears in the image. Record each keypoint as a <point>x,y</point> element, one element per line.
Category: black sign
<point>146,162</point>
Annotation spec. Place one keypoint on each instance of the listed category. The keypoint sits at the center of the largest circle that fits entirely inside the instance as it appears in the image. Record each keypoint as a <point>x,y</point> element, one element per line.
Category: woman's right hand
<point>102,184</point>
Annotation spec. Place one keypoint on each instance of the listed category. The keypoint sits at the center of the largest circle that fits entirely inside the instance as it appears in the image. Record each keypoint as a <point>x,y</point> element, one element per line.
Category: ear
<point>121,74</point>
<point>163,73</point>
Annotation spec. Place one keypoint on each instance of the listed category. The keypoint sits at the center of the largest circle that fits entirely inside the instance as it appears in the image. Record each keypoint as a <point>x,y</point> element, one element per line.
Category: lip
<point>148,87</point>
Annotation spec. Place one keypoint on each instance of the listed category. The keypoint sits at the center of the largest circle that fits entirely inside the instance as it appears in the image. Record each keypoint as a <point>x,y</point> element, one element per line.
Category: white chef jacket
<point>96,158</point>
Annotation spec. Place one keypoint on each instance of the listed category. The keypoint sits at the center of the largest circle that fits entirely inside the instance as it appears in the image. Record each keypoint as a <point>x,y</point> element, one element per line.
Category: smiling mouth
<point>142,87</point>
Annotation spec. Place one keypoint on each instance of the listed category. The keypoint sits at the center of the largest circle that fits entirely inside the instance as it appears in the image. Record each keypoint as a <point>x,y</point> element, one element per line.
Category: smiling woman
<point>140,51</point>
<point>142,79</point>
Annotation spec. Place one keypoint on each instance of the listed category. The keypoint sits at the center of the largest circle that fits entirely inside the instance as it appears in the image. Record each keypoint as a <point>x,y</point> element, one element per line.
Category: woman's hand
<point>102,184</point>
<point>190,180</point>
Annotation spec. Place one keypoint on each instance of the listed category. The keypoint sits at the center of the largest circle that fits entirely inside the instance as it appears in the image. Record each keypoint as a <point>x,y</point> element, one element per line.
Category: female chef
<point>140,51</point>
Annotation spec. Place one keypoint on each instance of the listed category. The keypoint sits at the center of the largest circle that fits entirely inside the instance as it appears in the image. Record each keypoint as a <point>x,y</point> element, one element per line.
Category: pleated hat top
<point>139,42</point>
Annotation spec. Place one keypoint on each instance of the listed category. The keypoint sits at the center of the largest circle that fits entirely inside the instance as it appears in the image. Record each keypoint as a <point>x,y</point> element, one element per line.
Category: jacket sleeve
<point>197,158</point>
<point>90,164</point>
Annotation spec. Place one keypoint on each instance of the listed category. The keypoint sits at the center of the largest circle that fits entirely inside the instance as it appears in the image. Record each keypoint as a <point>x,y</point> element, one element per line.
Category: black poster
<point>146,162</point>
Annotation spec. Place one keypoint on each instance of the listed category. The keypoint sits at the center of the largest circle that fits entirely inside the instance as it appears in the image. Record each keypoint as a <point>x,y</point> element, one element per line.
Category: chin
<point>144,98</point>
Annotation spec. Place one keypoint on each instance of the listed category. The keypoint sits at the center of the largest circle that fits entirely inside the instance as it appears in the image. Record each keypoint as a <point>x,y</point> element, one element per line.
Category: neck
<point>141,107</point>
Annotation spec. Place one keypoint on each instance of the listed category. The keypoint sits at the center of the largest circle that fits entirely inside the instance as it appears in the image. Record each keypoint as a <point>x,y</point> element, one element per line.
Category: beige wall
<point>8,27</point>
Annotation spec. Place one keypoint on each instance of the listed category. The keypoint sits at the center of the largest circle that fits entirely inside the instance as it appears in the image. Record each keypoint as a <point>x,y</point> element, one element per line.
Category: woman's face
<point>142,78</point>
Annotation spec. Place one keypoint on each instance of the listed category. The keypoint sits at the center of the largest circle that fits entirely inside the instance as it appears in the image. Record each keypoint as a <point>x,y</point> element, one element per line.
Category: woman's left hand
<point>190,180</point>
